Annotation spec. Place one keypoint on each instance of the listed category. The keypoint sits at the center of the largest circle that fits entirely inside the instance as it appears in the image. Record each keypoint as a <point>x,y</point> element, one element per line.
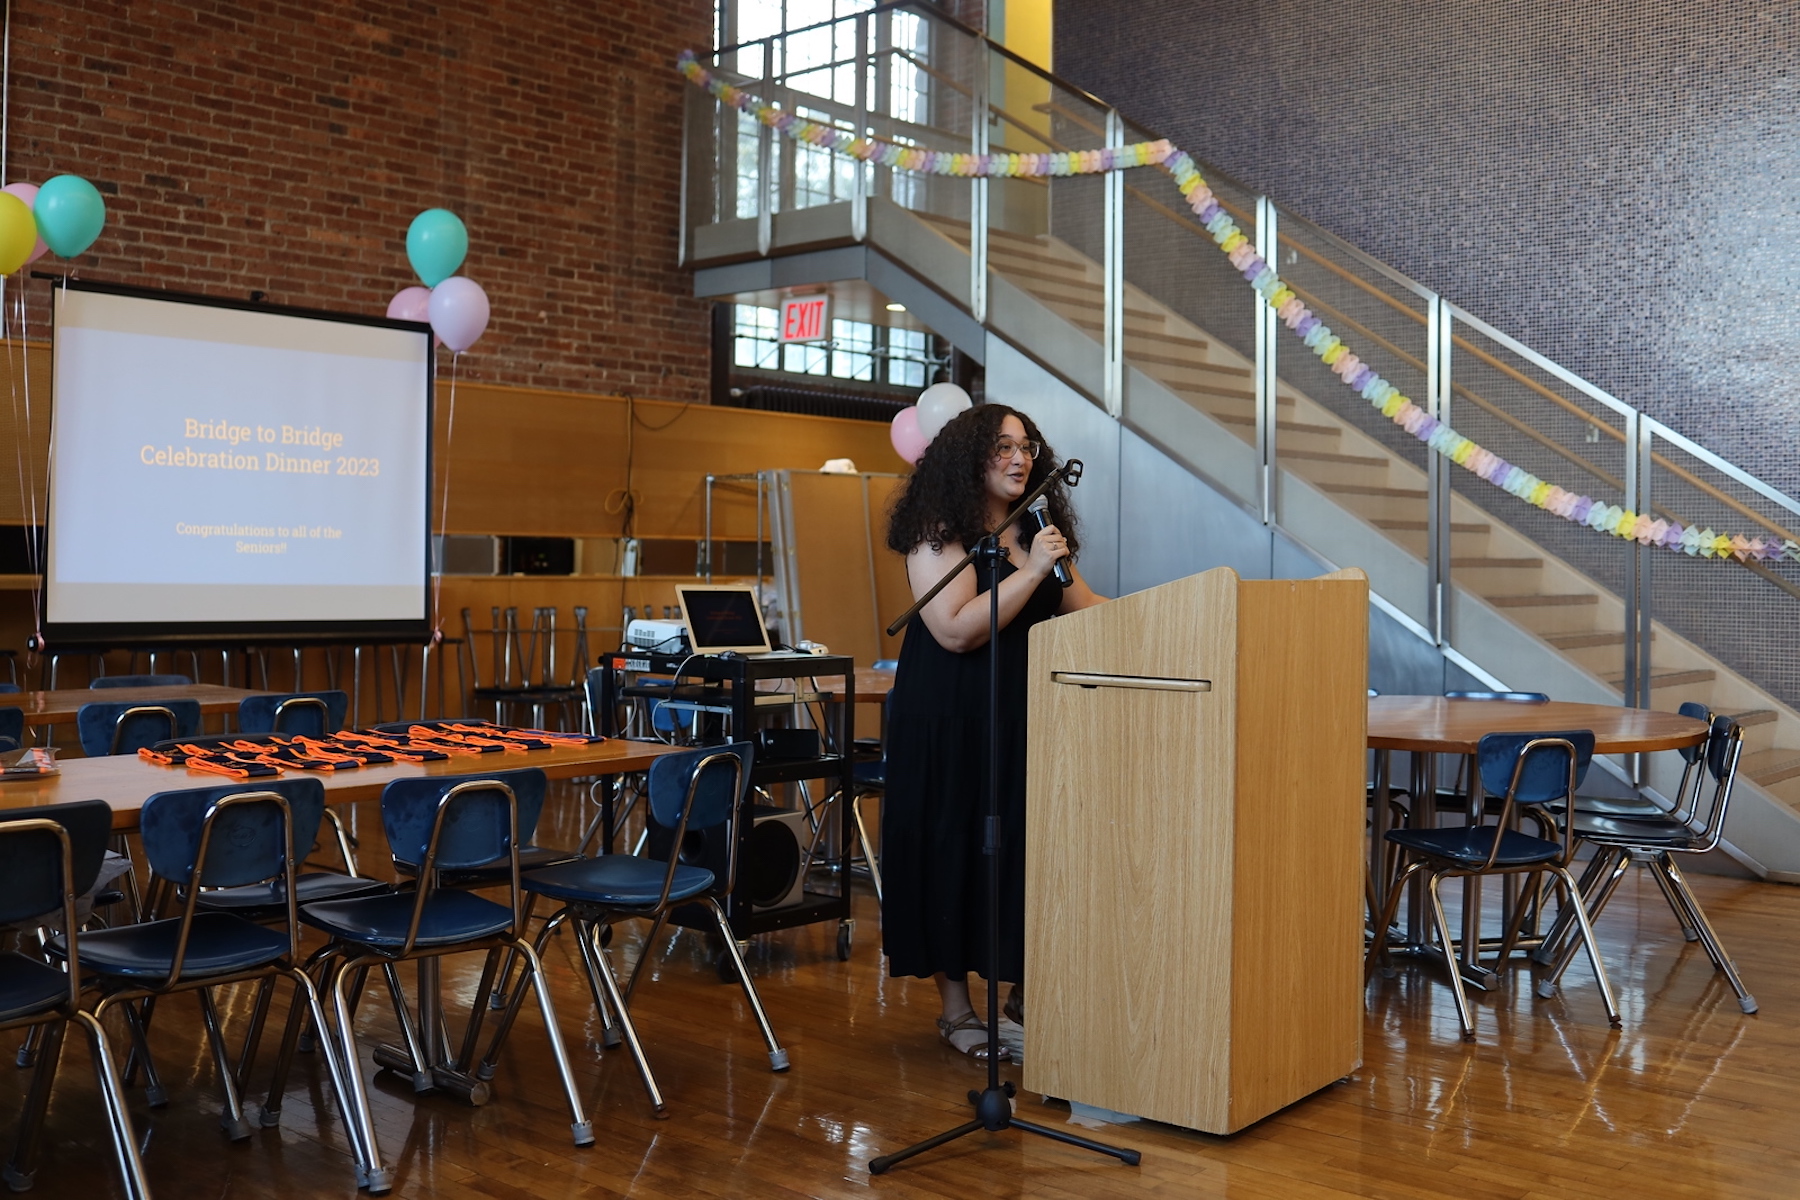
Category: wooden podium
<point>1194,852</point>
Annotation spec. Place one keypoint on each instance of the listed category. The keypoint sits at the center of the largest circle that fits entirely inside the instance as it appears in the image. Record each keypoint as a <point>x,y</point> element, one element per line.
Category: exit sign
<point>805,318</point>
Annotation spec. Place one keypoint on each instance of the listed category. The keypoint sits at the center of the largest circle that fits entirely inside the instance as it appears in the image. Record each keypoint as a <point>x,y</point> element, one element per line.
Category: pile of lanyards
<point>265,756</point>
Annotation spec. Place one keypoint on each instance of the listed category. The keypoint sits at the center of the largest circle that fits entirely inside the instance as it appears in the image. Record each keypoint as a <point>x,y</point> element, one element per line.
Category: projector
<point>666,637</point>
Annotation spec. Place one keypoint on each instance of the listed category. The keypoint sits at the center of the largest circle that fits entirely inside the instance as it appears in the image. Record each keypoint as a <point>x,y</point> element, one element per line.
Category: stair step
<point>1329,456</point>
<point>1544,601</point>
<point>1756,716</point>
<point>1670,678</point>
<point>1247,395</point>
<point>1400,525</point>
<point>1164,360</point>
<point>1369,489</point>
<point>1496,564</point>
<point>1578,641</point>
<point>1293,427</point>
<point>1771,766</point>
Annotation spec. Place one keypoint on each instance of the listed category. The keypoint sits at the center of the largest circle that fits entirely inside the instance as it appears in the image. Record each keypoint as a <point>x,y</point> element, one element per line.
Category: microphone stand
<point>993,1105</point>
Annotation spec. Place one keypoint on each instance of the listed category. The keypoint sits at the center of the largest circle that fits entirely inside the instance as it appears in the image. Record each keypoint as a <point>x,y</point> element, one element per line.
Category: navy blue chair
<point>303,714</point>
<point>7,689</point>
<point>125,681</point>
<point>1616,841</point>
<point>229,836</point>
<point>48,857</point>
<point>124,727</point>
<point>295,714</point>
<point>444,825</point>
<point>690,792</point>
<point>12,728</point>
<point>1529,771</point>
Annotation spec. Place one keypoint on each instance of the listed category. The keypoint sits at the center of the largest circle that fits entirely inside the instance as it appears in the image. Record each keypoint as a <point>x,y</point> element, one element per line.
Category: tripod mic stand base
<point>993,1112</point>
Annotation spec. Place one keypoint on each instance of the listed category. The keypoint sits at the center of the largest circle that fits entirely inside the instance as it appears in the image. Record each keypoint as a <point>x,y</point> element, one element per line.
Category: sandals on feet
<point>968,1022</point>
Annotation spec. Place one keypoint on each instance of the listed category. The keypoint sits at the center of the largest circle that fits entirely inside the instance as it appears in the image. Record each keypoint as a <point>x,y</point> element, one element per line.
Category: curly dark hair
<point>945,500</point>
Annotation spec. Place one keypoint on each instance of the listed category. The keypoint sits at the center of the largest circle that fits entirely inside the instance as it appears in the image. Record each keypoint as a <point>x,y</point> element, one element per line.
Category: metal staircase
<point>1112,289</point>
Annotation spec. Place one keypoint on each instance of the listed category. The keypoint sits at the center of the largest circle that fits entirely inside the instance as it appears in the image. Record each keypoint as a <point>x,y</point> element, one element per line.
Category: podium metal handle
<point>1089,679</point>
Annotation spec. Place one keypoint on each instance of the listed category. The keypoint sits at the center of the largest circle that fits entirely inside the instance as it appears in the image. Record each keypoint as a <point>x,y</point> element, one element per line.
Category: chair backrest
<point>295,714</point>
<point>1543,774</point>
<point>477,828</point>
<point>12,727</point>
<point>124,727</point>
<point>118,681</point>
<point>31,865</point>
<point>1724,747</point>
<point>1513,697</point>
<point>248,843</point>
<point>674,777</point>
<point>7,689</point>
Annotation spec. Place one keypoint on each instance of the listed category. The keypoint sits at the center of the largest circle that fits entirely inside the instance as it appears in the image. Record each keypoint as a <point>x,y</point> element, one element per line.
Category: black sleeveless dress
<point>934,912</point>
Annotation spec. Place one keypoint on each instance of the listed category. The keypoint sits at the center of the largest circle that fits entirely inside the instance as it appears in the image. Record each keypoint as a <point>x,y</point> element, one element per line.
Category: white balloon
<point>938,404</point>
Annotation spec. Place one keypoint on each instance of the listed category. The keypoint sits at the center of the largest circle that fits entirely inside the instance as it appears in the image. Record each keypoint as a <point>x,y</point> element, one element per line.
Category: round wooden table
<point>1428,724</point>
<point>1433,725</point>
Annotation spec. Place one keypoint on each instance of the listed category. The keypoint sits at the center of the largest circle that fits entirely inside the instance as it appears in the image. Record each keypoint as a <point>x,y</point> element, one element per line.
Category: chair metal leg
<point>1516,919</point>
<point>582,1128</point>
<point>1573,899</point>
<point>21,1170</point>
<point>637,968</point>
<point>1689,932</point>
<point>370,1174</point>
<point>1378,947</point>
<point>1593,905</point>
<point>1463,1012</point>
<point>232,1119</point>
<point>28,1049</point>
<point>259,1015</point>
<point>411,1033</point>
<point>1714,948</point>
<point>778,1057</point>
<point>862,837</point>
<point>112,1096</point>
<point>516,998</point>
<point>155,1094</point>
<point>601,978</point>
<point>346,847</point>
<point>465,1058</point>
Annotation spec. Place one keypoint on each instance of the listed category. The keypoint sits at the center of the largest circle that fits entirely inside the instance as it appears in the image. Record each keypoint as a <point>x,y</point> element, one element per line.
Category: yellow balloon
<point>18,233</point>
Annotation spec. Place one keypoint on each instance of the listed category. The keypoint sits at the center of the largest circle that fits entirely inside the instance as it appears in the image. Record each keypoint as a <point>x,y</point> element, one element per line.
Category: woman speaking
<point>934,915</point>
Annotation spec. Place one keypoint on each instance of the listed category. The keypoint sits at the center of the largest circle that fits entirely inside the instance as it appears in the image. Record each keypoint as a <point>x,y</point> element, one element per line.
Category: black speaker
<point>768,864</point>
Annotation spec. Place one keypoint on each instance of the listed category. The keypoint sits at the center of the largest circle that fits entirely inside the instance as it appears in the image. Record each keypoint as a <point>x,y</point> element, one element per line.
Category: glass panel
<point>1731,610</point>
<point>1561,580</point>
<point>1047,237</point>
<point>1332,437</point>
<point>921,84</point>
<point>1189,316</point>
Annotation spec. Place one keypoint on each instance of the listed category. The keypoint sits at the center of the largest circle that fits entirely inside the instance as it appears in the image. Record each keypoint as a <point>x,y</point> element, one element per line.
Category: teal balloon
<point>70,214</point>
<point>436,245</point>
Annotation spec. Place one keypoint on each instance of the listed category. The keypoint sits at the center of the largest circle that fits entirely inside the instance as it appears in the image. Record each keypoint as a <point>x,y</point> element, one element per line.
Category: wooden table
<point>59,707</point>
<point>1432,725</point>
<point>126,781</point>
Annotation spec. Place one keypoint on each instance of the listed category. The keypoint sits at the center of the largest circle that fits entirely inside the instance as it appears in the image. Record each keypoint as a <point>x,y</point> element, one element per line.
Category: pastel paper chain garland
<point>1330,349</point>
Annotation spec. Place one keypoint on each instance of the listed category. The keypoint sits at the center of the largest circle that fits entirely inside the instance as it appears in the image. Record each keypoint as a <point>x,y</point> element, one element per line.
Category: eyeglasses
<point>1005,448</point>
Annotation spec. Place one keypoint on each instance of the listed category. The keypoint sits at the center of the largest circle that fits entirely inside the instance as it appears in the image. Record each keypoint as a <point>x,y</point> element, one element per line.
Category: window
<point>857,350</point>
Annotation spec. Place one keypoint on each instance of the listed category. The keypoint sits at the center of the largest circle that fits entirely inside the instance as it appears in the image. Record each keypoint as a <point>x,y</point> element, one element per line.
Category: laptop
<point>724,617</point>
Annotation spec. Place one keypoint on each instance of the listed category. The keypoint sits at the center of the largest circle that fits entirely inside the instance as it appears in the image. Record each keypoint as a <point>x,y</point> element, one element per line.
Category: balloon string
<point>437,583</point>
<point>21,438</point>
<point>35,556</point>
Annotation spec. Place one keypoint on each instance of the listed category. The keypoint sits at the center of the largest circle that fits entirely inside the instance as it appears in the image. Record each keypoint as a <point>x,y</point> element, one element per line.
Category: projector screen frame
<point>65,636</point>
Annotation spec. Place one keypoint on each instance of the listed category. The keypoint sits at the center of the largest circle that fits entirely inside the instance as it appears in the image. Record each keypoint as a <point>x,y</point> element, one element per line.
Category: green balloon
<point>436,245</point>
<point>70,214</point>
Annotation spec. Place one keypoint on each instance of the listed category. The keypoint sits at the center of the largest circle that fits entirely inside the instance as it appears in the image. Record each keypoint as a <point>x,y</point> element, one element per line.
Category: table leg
<point>1380,821</point>
<point>1473,972</point>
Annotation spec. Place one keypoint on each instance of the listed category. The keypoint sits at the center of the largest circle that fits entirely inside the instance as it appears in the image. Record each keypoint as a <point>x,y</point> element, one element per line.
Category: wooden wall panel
<point>555,463</point>
<point>23,363</point>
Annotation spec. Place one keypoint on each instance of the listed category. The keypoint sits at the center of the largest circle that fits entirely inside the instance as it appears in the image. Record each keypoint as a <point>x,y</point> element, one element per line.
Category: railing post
<point>1437,476</point>
<point>765,183</point>
<point>1636,623</point>
<point>1113,265</point>
<point>1264,338</point>
<point>978,189</point>
<point>859,191</point>
<point>1646,592</point>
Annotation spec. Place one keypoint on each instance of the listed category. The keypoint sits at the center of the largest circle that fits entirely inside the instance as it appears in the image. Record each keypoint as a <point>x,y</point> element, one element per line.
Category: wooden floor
<point>1691,1098</point>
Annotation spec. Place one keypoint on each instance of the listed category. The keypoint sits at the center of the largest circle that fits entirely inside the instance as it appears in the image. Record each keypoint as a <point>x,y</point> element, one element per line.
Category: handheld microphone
<point>1039,515</point>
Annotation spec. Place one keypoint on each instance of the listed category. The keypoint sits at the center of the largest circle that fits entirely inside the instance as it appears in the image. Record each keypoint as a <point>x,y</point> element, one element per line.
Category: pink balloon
<point>459,312</point>
<point>28,193</point>
<point>909,440</point>
<point>410,304</point>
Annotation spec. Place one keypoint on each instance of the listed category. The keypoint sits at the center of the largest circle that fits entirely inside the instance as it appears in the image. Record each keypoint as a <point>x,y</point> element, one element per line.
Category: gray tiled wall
<point>1615,183</point>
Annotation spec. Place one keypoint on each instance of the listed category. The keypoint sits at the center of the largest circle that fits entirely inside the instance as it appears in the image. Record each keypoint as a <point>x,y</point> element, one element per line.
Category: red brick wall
<point>284,148</point>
